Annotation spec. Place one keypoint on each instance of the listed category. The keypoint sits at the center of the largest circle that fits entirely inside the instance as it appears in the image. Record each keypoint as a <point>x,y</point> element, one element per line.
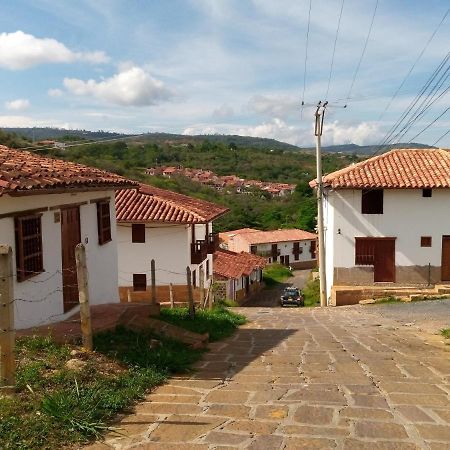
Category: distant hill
<point>38,134</point>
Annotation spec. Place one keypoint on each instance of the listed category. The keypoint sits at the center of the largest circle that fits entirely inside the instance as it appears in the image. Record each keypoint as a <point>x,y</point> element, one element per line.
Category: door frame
<point>444,238</point>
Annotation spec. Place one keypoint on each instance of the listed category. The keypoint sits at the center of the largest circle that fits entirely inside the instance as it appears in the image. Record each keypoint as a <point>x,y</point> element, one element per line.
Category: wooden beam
<point>67,205</point>
<point>25,212</point>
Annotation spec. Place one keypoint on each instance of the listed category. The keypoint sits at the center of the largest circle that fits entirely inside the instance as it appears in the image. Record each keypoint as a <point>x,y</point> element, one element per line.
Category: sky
<point>221,66</point>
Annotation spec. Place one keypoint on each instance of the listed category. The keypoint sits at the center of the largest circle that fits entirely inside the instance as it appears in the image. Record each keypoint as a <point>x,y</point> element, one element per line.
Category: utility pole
<point>320,113</point>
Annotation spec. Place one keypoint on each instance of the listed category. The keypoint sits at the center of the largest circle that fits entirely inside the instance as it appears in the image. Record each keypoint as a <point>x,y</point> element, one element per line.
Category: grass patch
<point>219,323</point>
<point>446,333</point>
<point>275,274</point>
<point>386,300</point>
<point>56,406</point>
<point>311,293</point>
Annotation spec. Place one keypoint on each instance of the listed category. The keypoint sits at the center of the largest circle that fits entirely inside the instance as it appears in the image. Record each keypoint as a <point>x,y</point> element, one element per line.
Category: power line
<point>414,65</point>
<point>306,58</point>
<point>431,123</point>
<point>440,139</point>
<point>334,48</point>
<point>363,51</point>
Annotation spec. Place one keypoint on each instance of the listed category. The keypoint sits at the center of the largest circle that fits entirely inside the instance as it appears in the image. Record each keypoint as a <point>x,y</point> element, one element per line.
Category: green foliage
<point>13,140</point>
<point>275,274</point>
<point>311,293</point>
<point>218,323</point>
<point>446,333</point>
<point>55,406</point>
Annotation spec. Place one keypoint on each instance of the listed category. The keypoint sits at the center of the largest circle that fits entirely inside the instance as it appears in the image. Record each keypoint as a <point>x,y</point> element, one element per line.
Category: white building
<point>237,275</point>
<point>173,229</point>
<point>291,247</point>
<point>387,220</point>
<point>47,207</point>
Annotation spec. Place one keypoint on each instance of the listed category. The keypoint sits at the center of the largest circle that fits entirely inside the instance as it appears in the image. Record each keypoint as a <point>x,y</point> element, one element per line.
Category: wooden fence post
<point>190,293</point>
<point>211,294</point>
<point>153,277</point>
<point>172,302</point>
<point>83,297</point>
<point>201,274</point>
<point>7,333</point>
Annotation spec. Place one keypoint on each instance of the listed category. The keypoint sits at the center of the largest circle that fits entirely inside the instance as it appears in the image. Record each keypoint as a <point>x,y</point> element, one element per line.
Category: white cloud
<point>19,104</point>
<point>54,92</point>
<point>363,133</point>
<point>278,106</point>
<point>20,50</point>
<point>27,121</point>
<point>223,112</point>
<point>132,86</point>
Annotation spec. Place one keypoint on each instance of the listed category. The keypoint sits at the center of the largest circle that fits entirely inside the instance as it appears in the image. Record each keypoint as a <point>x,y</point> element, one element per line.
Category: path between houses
<point>341,378</point>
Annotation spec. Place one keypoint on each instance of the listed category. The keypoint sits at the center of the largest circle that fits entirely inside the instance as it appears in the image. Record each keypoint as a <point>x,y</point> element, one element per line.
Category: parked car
<point>292,296</point>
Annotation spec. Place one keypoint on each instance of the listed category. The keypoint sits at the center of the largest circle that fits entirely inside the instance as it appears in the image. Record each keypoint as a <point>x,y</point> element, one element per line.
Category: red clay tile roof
<point>225,236</point>
<point>26,172</point>
<point>269,237</point>
<point>151,204</point>
<point>405,168</point>
<point>235,265</point>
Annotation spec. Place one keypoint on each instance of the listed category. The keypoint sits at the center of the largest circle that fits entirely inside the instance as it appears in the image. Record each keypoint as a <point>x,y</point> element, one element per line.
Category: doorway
<point>445,262</point>
<point>70,238</point>
<point>384,261</point>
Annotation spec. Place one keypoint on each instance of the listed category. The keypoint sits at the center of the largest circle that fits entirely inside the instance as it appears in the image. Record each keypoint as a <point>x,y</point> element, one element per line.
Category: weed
<point>219,323</point>
<point>275,274</point>
<point>311,293</point>
<point>446,333</point>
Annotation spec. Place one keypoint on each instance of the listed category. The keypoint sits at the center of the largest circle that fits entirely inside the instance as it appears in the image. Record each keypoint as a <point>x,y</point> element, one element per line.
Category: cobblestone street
<point>340,378</point>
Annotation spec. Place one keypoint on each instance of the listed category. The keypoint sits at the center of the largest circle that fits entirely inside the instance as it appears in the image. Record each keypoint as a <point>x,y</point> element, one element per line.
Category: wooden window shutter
<point>365,251</point>
<point>103,222</point>
<point>425,241</point>
<point>29,254</point>
<point>139,282</point>
<point>372,201</point>
<point>312,249</point>
<point>138,233</point>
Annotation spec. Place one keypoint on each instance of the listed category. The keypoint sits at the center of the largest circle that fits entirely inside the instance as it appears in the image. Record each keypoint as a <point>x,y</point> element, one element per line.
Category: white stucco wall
<point>169,245</point>
<point>39,299</point>
<point>406,215</point>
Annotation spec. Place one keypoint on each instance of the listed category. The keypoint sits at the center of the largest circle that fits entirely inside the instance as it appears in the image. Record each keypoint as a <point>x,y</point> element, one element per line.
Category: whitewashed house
<point>387,220</point>
<point>47,207</point>
<point>237,275</point>
<point>173,229</point>
<point>291,247</point>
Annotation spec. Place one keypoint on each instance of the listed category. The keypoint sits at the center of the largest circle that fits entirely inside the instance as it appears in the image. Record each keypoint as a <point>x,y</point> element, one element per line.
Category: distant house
<point>237,275</point>
<point>169,172</point>
<point>173,229</point>
<point>47,207</point>
<point>387,220</point>
<point>291,247</point>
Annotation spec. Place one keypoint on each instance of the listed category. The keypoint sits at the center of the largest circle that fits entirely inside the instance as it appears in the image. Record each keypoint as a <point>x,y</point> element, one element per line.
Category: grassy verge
<point>275,274</point>
<point>59,404</point>
<point>219,323</point>
<point>311,293</point>
<point>446,333</point>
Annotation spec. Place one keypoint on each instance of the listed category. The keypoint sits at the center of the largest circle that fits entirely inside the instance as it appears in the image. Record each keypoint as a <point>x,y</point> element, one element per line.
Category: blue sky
<point>218,66</point>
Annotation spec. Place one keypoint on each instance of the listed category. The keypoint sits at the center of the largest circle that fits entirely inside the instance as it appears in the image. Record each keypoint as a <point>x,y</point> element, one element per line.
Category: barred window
<point>29,256</point>
<point>364,252</point>
<point>103,222</point>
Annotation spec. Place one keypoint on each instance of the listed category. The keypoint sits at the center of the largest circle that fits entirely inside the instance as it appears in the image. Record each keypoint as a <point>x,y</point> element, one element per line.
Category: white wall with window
<point>32,223</point>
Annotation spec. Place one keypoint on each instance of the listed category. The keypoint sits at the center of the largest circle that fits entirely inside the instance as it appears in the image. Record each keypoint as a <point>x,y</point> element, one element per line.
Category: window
<point>364,252</point>
<point>138,233</point>
<point>312,249</point>
<point>425,241</point>
<point>139,282</point>
<point>253,249</point>
<point>29,257</point>
<point>297,250</point>
<point>427,192</point>
<point>372,201</point>
<point>103,222</point>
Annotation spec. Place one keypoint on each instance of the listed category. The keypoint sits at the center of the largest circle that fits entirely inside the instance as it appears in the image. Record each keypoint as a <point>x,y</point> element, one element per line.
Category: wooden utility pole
<point>202,286</point>
<point>320,113</point>
<point>7,333</point>
<point>190,293</point>
<point>172,302</point>
<point>83,297</point>
<point>153,278</point>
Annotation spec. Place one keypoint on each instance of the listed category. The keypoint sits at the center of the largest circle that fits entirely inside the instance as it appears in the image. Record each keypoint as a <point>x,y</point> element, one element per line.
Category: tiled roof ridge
<point>397,168</point>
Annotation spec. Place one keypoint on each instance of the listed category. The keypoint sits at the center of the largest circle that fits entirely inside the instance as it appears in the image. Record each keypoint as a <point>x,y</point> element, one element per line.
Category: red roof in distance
<point>268,237</point>
<point>235,265</point>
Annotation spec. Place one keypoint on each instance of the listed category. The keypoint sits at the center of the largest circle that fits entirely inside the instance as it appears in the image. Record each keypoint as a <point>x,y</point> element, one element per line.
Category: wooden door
<point>274,252</point>
<point>384,261</point>
<point>286,260</point>
<point>70,238</point>
<point>445,264</point>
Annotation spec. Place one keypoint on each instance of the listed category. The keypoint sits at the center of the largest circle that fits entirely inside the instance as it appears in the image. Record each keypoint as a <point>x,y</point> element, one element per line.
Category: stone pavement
<point>303,379</point>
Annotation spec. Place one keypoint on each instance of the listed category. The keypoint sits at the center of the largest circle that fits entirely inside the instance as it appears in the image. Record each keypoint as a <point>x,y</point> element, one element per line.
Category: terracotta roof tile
<point>151,204</point>
<point>268,237</point>
<point>400,168</point>
<point>26,172</point>
<point>235,265</point>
